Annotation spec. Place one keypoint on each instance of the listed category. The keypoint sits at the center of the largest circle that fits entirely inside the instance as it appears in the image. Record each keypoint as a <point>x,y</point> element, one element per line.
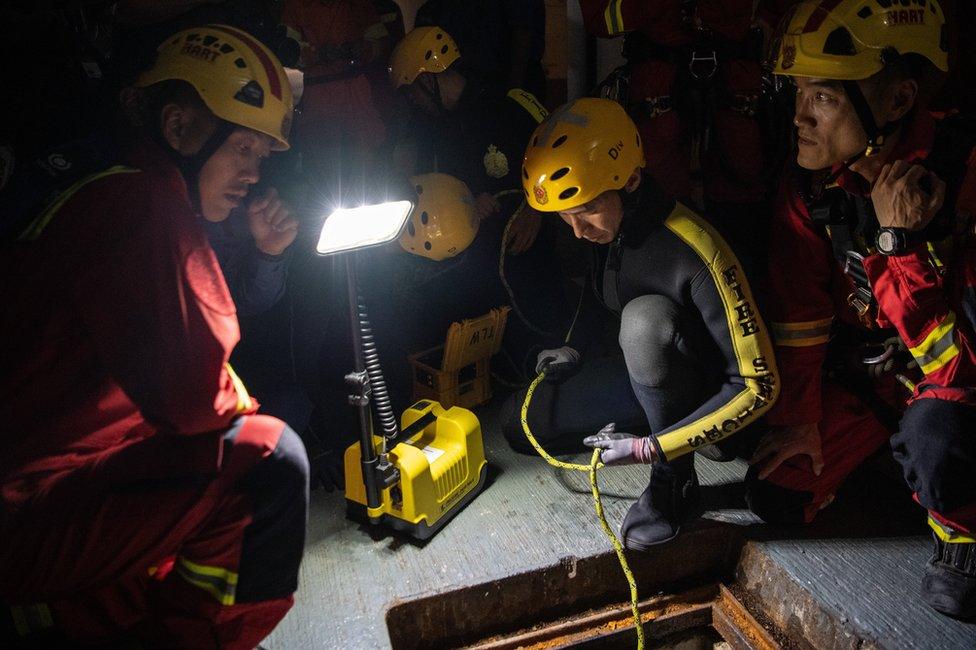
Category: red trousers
<point>133,547</point>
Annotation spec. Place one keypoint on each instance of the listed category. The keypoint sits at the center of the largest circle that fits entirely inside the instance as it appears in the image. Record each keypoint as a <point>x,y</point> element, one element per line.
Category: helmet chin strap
<point>877,135</point>
<point>435,96</point>
<point>190,166</point>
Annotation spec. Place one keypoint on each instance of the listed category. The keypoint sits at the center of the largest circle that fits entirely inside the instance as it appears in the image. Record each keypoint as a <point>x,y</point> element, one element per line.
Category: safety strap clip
<point>710,58</point>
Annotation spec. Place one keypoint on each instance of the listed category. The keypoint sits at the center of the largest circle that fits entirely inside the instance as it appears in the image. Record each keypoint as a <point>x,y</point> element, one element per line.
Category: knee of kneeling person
<point>290,459</point>
<point>648,329</point>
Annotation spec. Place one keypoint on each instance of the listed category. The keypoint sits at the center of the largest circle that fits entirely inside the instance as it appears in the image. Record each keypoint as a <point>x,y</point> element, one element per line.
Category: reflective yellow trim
<point>751,345</point>
<point>934,256</point>
<point>216,581</point>
<point>614,17</point>
<point>801,334</point>
<point>20,620</point>
<point>244,403</point>
<point>528,101</point>
<point>939,347</point>
<point>31,618</point>
<point>948,535</point>
<point>37,226</point>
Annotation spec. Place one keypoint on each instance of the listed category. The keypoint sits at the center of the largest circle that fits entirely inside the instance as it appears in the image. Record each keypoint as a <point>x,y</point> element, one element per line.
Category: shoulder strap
<point>528,101</point>
<point>37,226</point>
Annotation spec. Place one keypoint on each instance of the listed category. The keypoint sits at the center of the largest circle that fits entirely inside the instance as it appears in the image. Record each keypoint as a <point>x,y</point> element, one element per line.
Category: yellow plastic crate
<point>457,373</point>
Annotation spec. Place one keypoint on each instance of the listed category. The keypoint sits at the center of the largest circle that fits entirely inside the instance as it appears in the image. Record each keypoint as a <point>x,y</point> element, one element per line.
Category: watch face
<point>887,241</point>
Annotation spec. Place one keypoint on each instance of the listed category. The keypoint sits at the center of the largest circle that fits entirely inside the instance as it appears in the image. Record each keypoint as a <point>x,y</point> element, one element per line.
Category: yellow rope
<point>591,469</point>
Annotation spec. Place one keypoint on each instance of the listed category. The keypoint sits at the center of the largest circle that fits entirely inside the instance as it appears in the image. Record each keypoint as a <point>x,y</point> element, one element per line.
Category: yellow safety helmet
<point>240,80</point>
<point>580,151</point>
<point>444,222</point>
<point>847,40</point>
<point>424,49</point>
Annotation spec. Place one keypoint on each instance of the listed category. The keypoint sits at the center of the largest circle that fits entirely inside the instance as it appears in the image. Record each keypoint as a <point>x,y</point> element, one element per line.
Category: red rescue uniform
<point>930,303</point>
<point>126,434</point>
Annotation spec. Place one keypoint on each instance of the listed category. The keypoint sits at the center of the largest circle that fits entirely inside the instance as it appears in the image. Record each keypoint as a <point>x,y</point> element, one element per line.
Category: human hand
<point>782,443</point>
<point>271,223</point>
<point>522,233</point>
<point>901,199</point>
<point>621,448</point>
<point>486,206</point>
<point>558,361</point>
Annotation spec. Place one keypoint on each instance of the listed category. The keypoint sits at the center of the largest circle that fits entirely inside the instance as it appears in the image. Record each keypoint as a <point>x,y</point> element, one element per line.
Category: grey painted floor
<point>860,563</point>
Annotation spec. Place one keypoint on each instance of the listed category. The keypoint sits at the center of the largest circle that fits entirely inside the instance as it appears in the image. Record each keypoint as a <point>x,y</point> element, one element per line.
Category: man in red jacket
<point>873,279</point>
<point>141,497</point>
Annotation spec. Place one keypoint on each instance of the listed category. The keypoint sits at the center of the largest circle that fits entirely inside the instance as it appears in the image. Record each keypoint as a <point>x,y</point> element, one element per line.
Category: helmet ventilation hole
<point>616,178</point>
<point>424,218</point>
<point>525,173</point>
<point>440,35</point>
<point>561,139</point>
<point>559,173</point>
<point>865,12</point>
<point>427,245</point>
<point>428,55</point>
<point>840,42</point>
<point>535,141</point>
<point>240,63</point>
<point>411,229</point>
<point>568,193</point>
<point>444,49</point>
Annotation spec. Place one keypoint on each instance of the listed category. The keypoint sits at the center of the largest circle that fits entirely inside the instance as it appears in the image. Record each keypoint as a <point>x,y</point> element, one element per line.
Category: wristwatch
<point>891,241</point>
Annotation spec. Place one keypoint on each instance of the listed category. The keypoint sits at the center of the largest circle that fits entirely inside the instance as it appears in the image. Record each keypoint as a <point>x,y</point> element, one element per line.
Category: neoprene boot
<point>949,585</point>
<point>673,498</point>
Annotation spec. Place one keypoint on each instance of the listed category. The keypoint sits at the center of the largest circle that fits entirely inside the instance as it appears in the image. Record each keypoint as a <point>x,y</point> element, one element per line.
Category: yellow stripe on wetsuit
<point>751,346</point>
<point>613,16</point>
<point>528,101</point>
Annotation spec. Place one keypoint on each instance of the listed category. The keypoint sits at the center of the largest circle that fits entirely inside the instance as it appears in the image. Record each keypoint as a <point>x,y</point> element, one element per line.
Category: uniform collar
<point>645,211</point>
<point>145,154</point>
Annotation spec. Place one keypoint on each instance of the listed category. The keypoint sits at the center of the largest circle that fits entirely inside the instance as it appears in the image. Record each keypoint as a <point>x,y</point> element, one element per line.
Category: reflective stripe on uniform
<point>37,226</point>
<point>31,618</point>
<point>939,347</point>
<point>244,403</point>
<point>948,535</point>
<point>801,334</point>
<point>614,17</point>
<point>216,581</point>
<point>528,101</point>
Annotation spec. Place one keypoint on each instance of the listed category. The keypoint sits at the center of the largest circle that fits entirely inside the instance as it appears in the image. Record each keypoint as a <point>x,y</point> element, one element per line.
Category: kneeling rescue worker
<point>873,273</point>
<point>141,498</point>
<point>697,352</point>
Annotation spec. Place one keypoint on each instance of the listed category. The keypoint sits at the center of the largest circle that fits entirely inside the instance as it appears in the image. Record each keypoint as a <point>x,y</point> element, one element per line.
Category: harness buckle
<point>710,58</point>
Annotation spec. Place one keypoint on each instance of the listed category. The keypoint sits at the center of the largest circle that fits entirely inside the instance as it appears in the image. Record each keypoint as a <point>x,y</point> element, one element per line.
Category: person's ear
<point>185,128</point>
<point>174,124</point>
<point>634,181</point>
<point>901,99</point>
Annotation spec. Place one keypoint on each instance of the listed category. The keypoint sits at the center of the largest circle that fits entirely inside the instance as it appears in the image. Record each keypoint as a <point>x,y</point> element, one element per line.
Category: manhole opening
<point>706,618</point>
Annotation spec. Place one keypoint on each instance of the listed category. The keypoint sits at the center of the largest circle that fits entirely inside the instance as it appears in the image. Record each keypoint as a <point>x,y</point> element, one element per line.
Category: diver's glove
<point>621,448</point>
<point>558,363</point>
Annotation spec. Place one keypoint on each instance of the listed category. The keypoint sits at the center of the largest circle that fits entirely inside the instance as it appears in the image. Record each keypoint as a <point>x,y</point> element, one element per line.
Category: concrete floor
<point>849,581</point>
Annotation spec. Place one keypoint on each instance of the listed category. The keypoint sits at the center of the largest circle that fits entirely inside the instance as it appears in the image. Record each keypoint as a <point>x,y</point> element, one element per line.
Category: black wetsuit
<point>697,352</point>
